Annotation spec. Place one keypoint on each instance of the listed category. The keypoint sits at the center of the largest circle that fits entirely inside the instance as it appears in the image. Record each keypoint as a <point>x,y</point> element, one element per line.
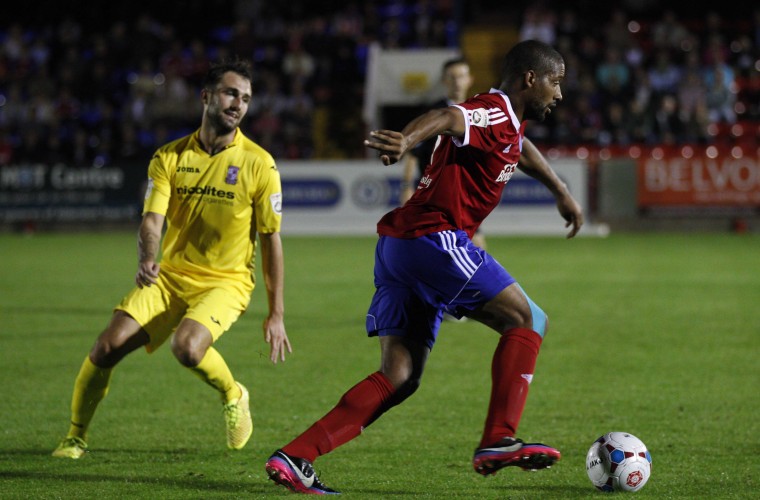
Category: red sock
<point>358,408</point>
<point>511,374</point>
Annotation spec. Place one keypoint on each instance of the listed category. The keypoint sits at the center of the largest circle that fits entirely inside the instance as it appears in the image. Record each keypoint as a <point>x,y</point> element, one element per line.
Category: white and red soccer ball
<point>618,461</point>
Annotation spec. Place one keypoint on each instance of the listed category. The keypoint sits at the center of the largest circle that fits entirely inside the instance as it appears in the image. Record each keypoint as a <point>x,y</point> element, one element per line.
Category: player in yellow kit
<point>215,191</point>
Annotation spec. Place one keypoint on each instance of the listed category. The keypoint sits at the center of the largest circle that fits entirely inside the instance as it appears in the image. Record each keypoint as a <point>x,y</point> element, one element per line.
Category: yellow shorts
<point>160,307</point>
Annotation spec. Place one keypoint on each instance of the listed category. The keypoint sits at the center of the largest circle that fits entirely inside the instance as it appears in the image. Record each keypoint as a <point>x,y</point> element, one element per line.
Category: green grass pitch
<point>657,335</point>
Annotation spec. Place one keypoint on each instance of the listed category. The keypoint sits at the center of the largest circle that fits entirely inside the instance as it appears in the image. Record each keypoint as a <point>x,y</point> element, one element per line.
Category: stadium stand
<point>114,82</point>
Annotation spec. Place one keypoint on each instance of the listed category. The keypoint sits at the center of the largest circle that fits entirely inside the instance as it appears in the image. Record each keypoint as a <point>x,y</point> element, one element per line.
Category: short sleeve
<point>482,119</point>
<point>267,201</point>
<point>158,190</point>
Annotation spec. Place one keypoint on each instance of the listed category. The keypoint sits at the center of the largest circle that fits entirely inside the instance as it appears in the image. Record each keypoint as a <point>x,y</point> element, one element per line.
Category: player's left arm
<point>407,180</point>
<point>440,121</point>
<point>273,270</point>
<point>533,163</point>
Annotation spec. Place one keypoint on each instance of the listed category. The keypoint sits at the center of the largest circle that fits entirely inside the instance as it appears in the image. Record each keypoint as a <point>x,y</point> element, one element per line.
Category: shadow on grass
<point>132,463</point>
<point>544,491</point>
<point>53,309</point>
<point>193,482</point>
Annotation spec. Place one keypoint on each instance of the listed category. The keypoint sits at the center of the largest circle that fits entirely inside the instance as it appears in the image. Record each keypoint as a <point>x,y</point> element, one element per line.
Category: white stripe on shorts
<point>458,255</point>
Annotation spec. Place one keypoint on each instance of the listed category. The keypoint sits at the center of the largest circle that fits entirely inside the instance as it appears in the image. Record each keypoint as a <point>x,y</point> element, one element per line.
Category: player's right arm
<point>148,246</point>
<point>151,228</point>
<point>441,121</point>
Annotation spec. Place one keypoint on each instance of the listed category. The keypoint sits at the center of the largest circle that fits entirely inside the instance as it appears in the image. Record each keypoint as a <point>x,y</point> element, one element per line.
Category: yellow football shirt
<point>213,205</point>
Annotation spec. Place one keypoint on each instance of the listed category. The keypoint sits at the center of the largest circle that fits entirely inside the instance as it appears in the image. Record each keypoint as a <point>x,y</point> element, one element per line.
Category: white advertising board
<point>349,197</point>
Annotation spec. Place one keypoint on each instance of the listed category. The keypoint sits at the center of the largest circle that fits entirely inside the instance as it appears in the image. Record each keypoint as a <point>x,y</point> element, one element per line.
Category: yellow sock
<point>214,371</point>
<point>90,387</point>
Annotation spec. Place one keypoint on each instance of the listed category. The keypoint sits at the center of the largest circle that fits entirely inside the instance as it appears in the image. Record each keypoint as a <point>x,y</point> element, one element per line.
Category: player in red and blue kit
<point>426,264</point>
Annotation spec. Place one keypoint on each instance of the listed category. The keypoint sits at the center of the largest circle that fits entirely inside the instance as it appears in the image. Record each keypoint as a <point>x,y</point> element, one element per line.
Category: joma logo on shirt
<point>506,173</point>
<point>205,191</point>
<point>192,170</point>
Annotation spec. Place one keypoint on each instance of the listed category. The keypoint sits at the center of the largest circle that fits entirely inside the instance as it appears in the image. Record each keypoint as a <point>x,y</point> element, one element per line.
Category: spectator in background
<point>32,150</point>
<point>538,23</point>
<point>639,123</point>
<point>197,62</point>
<point>14,113</point>
<point>297,64</point>
<point>586,122</point>
<point>146,40</point>
<point>665,75</point>
<point>6,148</point>
<point>750,94</point>
<point>43,83</point>
<point>62,63</point>
<point>692,103</point>
<point>720,97</point>
<point>267,127</point>
<point>128,147</point>
<point>615,129</point>
<point>667,121</point>
<point>175,60</point>
<point>642,92</point>
<point>616,33</point>
<point>243,40</point>
<point>715,32</point>
<point>173,100</point>
<point>81,151</point>
<point>42,109</point>
<point>118,40</point>
<point>270,94</point>
<point>668,33</point>
<point>568,25</point>
<point>589,50</point>
<point>297,122</point>
<point>14,45</point>
<point>613,74</point>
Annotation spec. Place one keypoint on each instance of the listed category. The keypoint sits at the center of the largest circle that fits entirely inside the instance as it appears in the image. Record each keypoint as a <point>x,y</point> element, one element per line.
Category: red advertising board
<point>704,178</point>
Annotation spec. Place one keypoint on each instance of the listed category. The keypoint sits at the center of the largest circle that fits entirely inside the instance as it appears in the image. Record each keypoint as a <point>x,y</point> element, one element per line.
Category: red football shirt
<point>467,175</point>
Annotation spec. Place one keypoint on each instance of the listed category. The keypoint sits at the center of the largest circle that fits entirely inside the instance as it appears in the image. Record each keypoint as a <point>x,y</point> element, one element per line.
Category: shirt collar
<point>511,112</point>
<point>196,138</point>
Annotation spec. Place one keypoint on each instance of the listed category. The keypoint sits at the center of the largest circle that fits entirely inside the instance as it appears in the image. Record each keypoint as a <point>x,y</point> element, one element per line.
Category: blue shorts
<point>417,280</point>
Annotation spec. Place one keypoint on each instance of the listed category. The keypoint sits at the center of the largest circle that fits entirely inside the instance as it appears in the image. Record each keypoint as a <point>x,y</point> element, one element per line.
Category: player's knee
<point>186,351</point>
<point>186,354</point>
<point>110,348</point>
<point>539,319</point>
<point>122,336</point>
<point>521,318</point>
<point>103,355</point>
<point>411,386</point>
<point>405,390</point>
<point>189,345</point>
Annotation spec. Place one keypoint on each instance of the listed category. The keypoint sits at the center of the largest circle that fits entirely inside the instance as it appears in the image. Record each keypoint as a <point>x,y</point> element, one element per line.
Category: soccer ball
<point>618,461</point>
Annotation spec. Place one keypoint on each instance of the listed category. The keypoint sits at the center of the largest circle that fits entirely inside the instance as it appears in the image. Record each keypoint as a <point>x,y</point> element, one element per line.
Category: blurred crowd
<point>89,95</point>
<point>667,79</point>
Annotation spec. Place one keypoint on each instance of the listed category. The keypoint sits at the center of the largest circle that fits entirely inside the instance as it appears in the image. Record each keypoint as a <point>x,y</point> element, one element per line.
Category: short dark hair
<point>217,71</point>
<point>453,62</point>
<point>530,55</point>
